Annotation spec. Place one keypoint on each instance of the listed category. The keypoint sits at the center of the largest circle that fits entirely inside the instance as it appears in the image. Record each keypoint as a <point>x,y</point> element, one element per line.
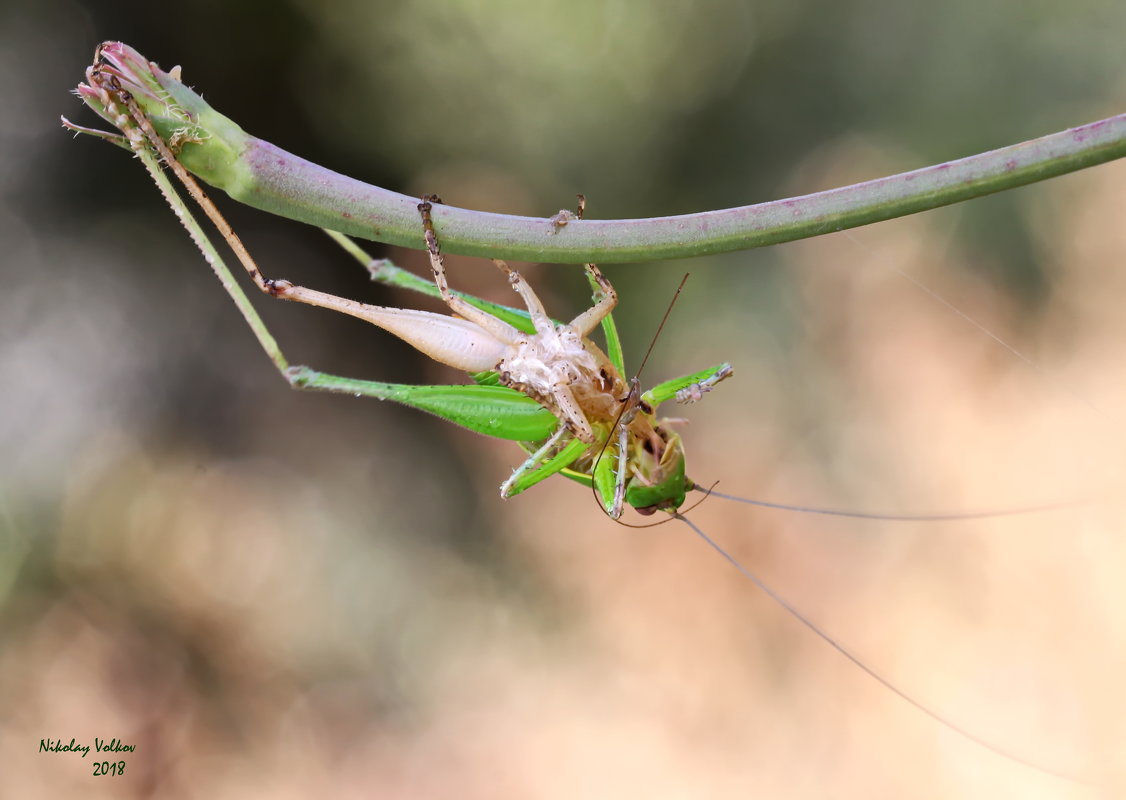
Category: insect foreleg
<point>694,391</point>
<point>621,474</point>
<point>535,469</point>
<point>691,387</point>
<point>540,320</point>
<point>586,322</point>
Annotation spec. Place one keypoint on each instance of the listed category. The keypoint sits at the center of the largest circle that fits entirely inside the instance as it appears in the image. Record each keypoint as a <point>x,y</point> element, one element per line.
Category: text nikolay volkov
<point>100,746</point>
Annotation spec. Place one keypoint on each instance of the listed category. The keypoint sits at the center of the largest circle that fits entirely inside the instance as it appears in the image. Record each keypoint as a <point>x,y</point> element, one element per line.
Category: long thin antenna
<point>661,327</point>
<point>887,684</point>
<point>1028,361</point>
<point>946,517</point>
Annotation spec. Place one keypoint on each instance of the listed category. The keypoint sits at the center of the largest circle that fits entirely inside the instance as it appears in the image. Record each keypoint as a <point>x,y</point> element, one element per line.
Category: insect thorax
<point>537,364</point>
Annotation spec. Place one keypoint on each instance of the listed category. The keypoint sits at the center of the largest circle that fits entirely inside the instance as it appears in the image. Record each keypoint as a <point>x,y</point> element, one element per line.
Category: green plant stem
<point>259,174</point>
<point>293,187</point>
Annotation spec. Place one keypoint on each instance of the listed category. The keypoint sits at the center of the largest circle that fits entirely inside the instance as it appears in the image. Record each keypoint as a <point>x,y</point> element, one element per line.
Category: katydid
<point>540,383</point>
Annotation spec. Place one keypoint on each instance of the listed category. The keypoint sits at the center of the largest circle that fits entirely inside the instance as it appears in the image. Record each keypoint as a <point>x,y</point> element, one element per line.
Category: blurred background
<point>276,594</point>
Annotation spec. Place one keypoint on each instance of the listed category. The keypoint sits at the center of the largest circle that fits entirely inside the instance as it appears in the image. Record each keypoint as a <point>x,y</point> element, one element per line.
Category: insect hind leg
<point>497,328</point>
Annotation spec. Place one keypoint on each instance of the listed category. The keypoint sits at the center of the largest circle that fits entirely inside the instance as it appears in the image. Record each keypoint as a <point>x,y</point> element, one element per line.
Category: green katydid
<point>566,413</point>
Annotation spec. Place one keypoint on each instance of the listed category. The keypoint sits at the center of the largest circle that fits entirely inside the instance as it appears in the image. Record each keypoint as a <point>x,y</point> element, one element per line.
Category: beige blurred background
<point>274,594</point>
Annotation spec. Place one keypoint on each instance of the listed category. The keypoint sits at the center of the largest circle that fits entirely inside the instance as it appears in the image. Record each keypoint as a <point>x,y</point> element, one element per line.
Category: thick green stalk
<point>259,174</point>
<point>276,181</point>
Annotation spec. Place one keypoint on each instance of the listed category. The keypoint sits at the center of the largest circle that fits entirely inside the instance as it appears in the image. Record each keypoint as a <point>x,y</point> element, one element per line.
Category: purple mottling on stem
<point>294,187</point>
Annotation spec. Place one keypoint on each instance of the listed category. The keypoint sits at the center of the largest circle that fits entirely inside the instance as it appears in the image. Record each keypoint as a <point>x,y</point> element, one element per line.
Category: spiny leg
<point>457,342</point>
<point>695,391</point>
<point>441,337</point>
<point>621,474</point>
<point>540,319</point>
<point>586,322</point>
<point>499,329</point>
<point>527,477</point>
<point>630,407</point>
<point>571,412</point>
<point>533,460</point>
<point>383,271</point>
<point>606,296</point>
<point>298,377</point>
<point>688,388</point>
<point>275,288</point>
